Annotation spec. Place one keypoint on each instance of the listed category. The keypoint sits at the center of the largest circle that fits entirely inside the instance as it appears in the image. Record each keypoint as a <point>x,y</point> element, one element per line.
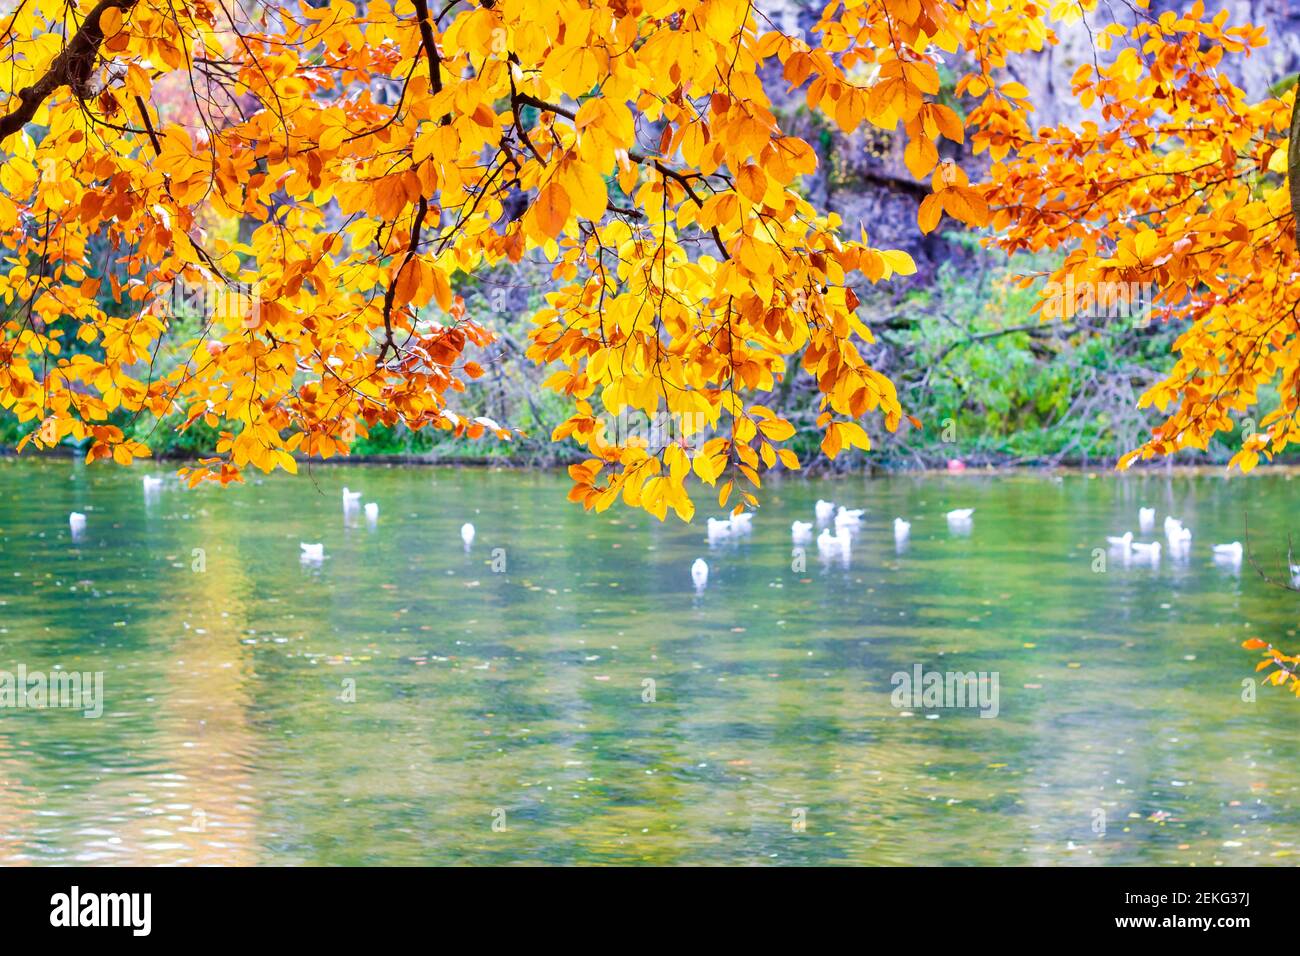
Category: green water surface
<point>501,709</point>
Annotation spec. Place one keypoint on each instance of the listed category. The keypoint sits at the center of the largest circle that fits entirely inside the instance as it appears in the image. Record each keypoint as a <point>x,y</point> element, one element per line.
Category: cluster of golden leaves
<point>1176,185</point>
<point>1283,669</point>
<point>374,157</point>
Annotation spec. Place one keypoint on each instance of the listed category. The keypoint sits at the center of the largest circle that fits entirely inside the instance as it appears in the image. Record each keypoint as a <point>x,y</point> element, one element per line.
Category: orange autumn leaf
<point>552,208</point>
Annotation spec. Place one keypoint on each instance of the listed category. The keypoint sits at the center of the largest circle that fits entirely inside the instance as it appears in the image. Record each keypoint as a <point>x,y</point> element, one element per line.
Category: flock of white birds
<point>310,552</point>
<point>846,522</point>
<point>839,544</point>
<point>314,553</point>
<point>1179,539</point>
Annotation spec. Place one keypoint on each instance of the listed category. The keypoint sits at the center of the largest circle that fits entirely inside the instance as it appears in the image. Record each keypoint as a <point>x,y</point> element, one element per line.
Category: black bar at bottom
<point>333,906</point>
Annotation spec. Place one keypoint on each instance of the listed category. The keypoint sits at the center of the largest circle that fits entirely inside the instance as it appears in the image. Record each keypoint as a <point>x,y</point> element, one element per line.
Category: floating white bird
<point>1172,524</point>
<point>718,529</point>
<point>829,545</point>
<point>855,513</point>
<point>467,534</point>
<point>312,553</point>
<point>1180,537</point>
<point>845,520</point>
<point>801,530</point>
<point>960,514</point>
<point>743,521</point>
<point>350,499</point>
<point>700,573</point>
<point>372,512</point>
<point>1146,519</point>
<point>151,484</point>
<point>824,509</point>
<point>902,531</point>
<point>77,522</point>
<point>1121,541</point>
<point>1149,549</point>
<point>1228,556</point>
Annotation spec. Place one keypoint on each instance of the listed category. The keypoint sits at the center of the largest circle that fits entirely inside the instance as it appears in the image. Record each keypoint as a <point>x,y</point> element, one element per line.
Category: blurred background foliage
<point>990,380</point>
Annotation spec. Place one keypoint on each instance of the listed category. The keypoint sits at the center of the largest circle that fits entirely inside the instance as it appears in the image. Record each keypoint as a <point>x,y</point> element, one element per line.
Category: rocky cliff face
<point>863,177</point>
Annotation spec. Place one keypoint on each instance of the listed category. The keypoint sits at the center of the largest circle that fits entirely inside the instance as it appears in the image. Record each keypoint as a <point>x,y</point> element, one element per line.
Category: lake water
<point>407,701</point>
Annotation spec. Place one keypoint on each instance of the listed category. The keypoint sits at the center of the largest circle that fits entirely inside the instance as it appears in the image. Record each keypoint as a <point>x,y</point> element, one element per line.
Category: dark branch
<point>430,50</point>
<point>527,99</point>
<point>71,68</point>
<point>416,224</point>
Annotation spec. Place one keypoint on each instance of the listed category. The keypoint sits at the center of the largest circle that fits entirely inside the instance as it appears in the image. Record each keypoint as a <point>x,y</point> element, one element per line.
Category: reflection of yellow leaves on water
<point>18,805</point>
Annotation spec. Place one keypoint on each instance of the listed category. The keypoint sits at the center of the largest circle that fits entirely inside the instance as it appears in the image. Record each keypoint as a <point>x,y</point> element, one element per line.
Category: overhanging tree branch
<point>72,68</point>
<point>682,179</point>
<point>430,50</point>
<point>416,223</point>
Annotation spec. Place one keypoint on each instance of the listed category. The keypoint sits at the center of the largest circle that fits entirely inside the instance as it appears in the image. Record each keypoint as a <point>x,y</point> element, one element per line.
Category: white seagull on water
<point>1146,519</point>
<point>1149,550</point>
<point>700,573</point>
<point>846,520</point>
<point>959,521</point>
<point>718,528</point>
